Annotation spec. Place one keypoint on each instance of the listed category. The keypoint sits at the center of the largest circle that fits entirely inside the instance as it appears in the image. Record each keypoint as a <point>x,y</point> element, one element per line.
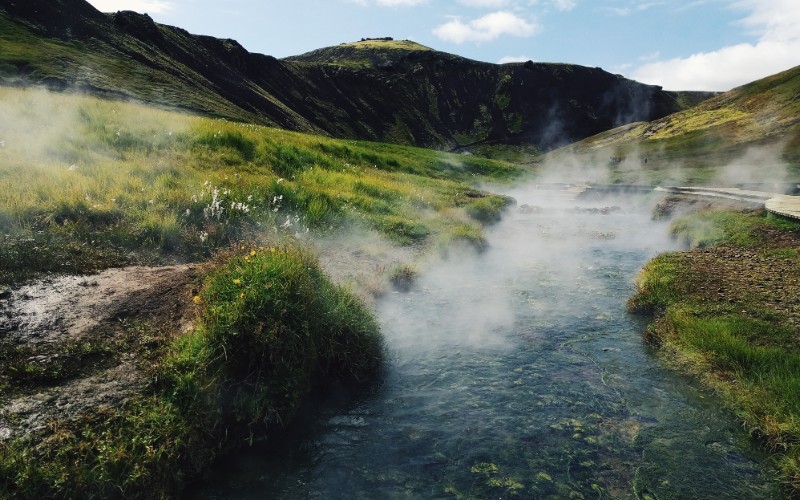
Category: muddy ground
<point>74,344</point>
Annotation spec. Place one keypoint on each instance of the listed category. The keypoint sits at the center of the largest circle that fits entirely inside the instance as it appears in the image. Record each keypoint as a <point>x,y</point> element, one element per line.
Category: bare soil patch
<point>71,345</point>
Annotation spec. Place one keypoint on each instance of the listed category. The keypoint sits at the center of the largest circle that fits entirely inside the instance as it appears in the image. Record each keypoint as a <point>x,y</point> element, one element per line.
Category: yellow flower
<point>237,281</point>
<point>196,299</point>
<point>272,249</point>
<point>241,295</point>
<point>247,258</point>
<point>252,253</point>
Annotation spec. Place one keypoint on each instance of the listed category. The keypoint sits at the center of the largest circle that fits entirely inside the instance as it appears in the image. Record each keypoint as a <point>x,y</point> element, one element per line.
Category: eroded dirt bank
<point>74,344</point>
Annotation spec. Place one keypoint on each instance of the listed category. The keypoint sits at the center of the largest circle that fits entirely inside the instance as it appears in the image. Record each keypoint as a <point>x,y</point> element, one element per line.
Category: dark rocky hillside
<point>381,90</point>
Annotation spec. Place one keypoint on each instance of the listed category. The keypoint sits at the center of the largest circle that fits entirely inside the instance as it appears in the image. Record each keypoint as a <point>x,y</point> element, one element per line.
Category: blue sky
<point>678,44</point>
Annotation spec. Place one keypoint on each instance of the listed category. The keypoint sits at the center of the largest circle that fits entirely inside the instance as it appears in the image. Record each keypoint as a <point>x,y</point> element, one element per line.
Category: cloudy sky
<point>678,44</point>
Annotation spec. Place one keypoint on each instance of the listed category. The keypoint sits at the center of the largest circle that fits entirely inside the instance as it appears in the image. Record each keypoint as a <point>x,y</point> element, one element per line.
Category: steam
<point>469,301</point>
<point>49,128</point>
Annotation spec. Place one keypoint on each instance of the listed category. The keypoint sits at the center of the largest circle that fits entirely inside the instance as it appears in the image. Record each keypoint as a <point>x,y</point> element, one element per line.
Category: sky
<point>677,44</point>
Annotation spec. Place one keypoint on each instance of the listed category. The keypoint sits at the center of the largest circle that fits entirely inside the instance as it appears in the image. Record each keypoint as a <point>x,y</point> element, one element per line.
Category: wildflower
<point>252,253</point>
<point>241,295</point>
<point>247,258</point>
<point>237,281</point>
<point>196,299</point>
<point>203,236</point>
<point>188,212</point>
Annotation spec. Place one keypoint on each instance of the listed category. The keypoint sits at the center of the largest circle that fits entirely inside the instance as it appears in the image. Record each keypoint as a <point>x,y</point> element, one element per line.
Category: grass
<point>727,313</point>
<point>89,184</point>
<point>272,327</point>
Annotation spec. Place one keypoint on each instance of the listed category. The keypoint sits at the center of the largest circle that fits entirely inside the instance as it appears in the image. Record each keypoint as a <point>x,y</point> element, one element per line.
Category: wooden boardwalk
<point>788,206</point>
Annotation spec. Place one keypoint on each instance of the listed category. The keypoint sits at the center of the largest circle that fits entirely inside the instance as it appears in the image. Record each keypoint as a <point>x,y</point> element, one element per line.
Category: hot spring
<point>518,373</point>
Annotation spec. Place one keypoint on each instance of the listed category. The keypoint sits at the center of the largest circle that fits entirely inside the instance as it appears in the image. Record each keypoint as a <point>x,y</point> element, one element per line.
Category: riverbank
<point>728,312</point>
<point>128,362</point>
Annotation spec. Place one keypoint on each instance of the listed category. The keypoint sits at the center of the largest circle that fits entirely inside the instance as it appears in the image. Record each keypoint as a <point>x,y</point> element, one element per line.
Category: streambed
<point>517,373</point>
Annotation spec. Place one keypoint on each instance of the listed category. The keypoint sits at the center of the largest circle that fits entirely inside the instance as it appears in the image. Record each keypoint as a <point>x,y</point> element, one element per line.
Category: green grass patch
<point>725,314</point>
<point>110,183</point>
<point>272,328</point>
<point>711,227</point>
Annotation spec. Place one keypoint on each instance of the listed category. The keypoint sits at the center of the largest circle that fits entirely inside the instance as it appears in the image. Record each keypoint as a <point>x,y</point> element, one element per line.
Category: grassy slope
<point>90,184</point>
<point>149,185</point>
<point>757,124</point>
<point>729,312</point>
<point>123,65</point>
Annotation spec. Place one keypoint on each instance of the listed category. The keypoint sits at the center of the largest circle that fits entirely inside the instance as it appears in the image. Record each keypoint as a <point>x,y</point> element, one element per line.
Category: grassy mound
<point>272,327</point>
<point>729,313</point>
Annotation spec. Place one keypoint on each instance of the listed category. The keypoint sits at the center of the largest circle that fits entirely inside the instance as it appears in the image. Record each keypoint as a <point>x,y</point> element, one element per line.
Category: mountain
<point>374,89</point>
<point>755,128</point>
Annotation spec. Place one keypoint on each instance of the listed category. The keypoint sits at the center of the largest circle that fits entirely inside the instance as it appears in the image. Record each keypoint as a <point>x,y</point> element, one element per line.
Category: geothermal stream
<point>517,373</point>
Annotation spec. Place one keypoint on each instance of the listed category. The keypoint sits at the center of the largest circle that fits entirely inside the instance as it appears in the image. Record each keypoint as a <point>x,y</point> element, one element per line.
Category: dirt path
<point>70,345</point>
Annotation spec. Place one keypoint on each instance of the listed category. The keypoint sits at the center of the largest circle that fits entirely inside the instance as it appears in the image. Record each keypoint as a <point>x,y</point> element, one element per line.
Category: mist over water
<point>517,373</point>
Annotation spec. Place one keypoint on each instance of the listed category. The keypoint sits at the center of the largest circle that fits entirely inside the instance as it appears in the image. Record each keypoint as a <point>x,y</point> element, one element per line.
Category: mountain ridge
<point>407,96</point>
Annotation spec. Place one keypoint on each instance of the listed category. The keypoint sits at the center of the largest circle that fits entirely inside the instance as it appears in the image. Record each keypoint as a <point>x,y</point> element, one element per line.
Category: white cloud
<point>492,4</point>
<point>513,59</point>
<point>775,22</point>
<point>626,11</point>
<point>488,27</point>
<point>565,5</point>
<point>723,69</point>
<point>402,3</point>
<point>151,6</point>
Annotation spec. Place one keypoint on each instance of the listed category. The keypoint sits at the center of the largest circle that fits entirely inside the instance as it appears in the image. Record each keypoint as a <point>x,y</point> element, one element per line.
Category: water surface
<point>517,373</point>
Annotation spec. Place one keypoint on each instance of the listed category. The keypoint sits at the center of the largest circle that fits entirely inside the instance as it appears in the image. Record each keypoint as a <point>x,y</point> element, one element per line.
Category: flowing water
<point>517,373</point>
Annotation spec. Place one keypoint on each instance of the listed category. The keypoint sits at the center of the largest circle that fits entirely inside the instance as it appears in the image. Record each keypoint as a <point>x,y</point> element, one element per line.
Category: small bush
<point>403,277</point>
<point>401,230</point>
<point>271,326</point>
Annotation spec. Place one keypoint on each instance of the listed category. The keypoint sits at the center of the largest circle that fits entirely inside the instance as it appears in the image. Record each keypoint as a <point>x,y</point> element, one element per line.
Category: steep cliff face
<point>385,90</point>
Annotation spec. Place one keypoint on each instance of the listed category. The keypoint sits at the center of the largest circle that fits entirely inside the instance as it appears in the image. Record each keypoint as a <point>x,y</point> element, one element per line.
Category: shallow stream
<point>517,373</point>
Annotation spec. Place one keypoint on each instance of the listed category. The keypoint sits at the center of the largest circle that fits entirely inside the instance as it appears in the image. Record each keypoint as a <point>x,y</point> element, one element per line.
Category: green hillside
<point>90,184</point>
<point>756,126</point>
<point>161,184</point>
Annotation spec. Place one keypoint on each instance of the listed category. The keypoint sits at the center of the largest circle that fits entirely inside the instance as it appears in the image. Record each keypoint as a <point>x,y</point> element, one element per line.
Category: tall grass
<point>743,343</point>
<point>137,183</point>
